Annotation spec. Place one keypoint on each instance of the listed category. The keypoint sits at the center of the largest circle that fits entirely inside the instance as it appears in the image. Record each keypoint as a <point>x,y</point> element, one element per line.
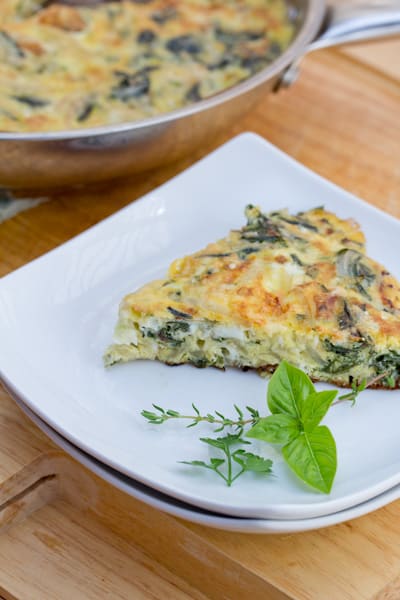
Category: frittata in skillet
<point>295,287</point>
<point>65,67</point>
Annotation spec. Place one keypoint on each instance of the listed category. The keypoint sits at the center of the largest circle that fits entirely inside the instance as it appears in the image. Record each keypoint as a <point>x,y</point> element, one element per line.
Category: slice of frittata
<point>294,287</point>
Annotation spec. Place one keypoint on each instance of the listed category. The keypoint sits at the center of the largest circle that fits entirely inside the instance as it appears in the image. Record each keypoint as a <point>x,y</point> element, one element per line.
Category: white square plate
<point>196,515</point>
<point>58,314</point>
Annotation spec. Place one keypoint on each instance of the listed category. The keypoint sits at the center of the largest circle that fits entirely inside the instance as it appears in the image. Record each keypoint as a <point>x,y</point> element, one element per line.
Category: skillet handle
<point>350,23</point>
<point>355,22</point>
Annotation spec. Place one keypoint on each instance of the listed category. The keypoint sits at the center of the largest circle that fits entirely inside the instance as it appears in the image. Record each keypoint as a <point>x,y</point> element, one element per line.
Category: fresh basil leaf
<point>275,429</point>
<point>252,462</point>
<point>315,408</point>
<point>312,456</point>
<point>287,390</point>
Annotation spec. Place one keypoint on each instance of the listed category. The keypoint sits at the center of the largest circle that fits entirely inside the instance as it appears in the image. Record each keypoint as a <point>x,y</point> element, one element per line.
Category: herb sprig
<point>296,412</point>
<point>357,388</point>
<point>247,461</point>
<point>294,424</point>
<point>161,416</point>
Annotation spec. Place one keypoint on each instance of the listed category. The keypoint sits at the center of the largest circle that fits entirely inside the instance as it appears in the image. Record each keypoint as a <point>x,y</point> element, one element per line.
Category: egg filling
<point>294,287</point>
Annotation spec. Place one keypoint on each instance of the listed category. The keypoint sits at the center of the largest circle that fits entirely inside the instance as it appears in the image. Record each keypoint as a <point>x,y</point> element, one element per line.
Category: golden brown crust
<point>294,287</point>
<point>268,283</point>
<point>126,60</point>
<point>66,18</point>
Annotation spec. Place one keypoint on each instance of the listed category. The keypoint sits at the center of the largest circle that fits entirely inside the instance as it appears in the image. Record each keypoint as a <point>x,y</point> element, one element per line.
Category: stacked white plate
<point>57,317</point>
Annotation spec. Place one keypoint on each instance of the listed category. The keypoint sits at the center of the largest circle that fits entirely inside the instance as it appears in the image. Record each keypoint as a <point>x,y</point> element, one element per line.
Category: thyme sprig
<point>294,423</point>
<point>217,418</point>
<point>357,388</point>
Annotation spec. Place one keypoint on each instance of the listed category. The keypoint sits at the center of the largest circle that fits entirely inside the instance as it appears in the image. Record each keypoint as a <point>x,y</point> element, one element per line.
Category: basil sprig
<point>297,411</point>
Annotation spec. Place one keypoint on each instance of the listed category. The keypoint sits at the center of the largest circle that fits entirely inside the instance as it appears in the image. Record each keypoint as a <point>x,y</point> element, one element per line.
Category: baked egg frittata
<point>294,287</point>
<point>65,67</point>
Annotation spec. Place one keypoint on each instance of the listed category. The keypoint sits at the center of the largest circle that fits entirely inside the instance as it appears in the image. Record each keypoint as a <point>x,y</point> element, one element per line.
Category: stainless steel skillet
<point>57,159</point>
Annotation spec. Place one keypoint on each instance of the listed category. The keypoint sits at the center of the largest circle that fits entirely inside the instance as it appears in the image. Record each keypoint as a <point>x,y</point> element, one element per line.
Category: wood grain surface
<point>72,536</point>
<point>382,56</point>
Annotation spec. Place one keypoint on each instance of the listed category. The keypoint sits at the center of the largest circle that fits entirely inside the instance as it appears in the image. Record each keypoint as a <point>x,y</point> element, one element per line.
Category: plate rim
<point>191,514</point>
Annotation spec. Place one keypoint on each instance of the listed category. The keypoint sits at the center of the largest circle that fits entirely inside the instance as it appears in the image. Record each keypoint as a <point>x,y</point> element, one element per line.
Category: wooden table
<point>65,533</point>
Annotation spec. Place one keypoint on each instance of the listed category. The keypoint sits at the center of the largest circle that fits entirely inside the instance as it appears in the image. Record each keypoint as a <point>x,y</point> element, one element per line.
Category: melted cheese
<point>295,287</point>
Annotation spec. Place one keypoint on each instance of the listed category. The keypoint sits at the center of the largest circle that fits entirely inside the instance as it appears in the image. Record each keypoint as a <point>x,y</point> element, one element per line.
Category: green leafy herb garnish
<point>356,389</point>
<point>246,461</point>
<point>297,410</point>
<point>161,416</point>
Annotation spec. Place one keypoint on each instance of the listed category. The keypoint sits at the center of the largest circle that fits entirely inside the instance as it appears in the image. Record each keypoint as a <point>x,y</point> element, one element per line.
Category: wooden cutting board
<point>66,534</point>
